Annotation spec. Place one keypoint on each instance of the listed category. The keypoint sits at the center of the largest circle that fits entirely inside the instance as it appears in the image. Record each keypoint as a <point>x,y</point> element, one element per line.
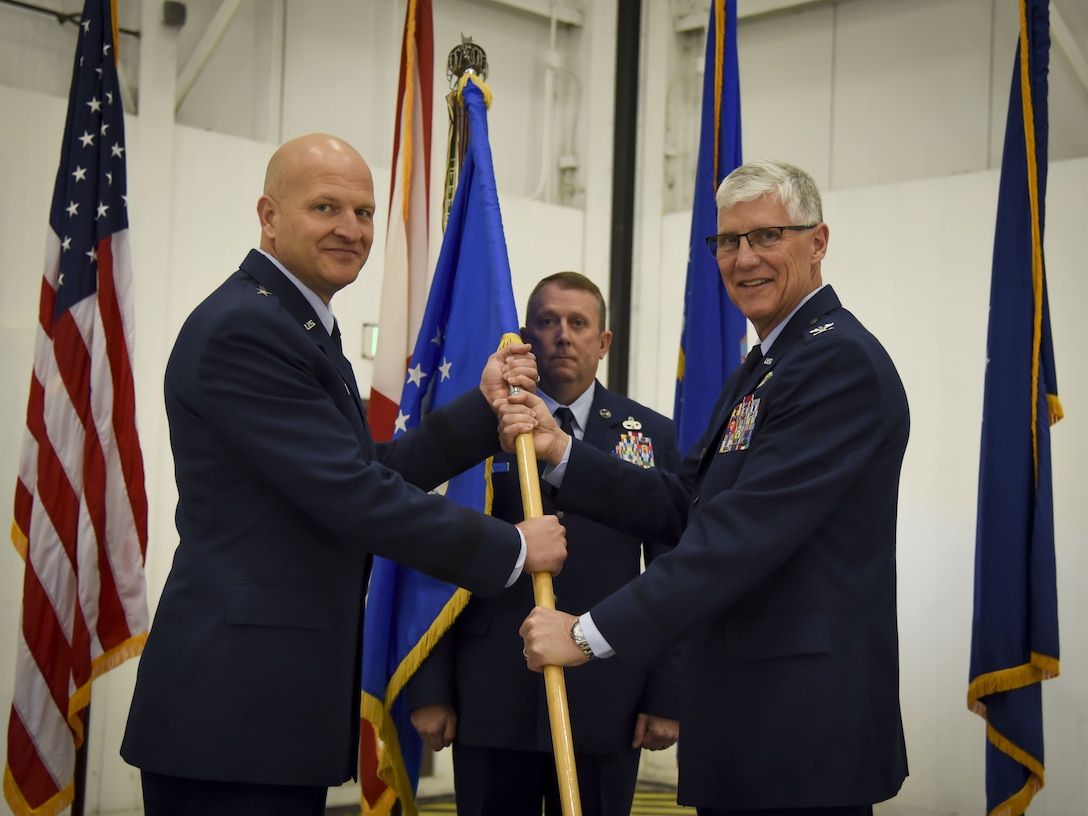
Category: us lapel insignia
<point>262,291</point>
<point>604,412</point>
<point>636,448</point>
<point>632,424</point>
<point>309,324</point>
<point>821,329</point>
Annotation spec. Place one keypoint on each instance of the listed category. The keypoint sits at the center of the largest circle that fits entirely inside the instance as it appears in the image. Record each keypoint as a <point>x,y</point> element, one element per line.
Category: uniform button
<point>559,514</point>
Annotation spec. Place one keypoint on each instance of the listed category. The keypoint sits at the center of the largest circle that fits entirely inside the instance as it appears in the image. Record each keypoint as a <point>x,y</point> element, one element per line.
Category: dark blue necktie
<point>754,358</point>
<point>565,417</point>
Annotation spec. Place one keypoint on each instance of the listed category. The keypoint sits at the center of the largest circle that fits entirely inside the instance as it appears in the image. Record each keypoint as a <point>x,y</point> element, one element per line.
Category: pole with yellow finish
<point>554,685</point>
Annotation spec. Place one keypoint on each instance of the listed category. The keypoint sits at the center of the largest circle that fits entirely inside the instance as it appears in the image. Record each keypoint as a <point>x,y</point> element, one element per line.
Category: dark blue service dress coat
<point>783,577</point>
<point>251,669</point>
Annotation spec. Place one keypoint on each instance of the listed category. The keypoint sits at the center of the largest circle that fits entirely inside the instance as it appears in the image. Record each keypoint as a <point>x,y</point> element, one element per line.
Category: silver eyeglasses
<point>728,243</point>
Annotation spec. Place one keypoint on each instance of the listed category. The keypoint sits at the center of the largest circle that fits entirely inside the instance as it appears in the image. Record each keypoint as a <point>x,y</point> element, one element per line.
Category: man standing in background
<point>474,689</point>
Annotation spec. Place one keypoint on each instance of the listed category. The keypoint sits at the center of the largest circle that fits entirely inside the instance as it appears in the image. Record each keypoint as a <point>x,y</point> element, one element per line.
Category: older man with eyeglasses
<point>782,584</point>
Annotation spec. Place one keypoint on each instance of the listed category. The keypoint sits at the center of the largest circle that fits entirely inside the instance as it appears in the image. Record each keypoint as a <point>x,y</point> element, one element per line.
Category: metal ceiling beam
<point>692,20</point>
<point>209,41</point>
<point>562,12</point>
<point>61,17</point>
<point>1061,34</point>
<point>753,8</point>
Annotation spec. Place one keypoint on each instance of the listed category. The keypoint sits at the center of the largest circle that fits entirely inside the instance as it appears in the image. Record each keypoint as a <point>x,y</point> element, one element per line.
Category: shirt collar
<point>324,312</point>
<point>580,407</point>
<point>772,335</point>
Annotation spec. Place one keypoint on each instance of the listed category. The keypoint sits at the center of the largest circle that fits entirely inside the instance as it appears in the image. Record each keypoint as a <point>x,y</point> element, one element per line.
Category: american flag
<point>80,506</point>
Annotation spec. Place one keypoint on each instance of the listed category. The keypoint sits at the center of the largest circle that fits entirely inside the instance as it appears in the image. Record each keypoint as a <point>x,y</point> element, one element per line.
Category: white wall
<point>910,200</point>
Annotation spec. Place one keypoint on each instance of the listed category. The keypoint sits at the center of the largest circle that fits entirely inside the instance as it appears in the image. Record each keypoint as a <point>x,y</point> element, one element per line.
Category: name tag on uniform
<point>738,431</point>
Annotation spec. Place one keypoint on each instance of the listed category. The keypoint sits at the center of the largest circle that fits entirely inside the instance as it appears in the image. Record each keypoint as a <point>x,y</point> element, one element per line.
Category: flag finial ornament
<point>468,57</point>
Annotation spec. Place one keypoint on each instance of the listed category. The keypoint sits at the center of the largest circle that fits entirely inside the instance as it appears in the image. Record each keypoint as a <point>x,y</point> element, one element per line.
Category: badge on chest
<point>738,431</point>
<point>637,448</point>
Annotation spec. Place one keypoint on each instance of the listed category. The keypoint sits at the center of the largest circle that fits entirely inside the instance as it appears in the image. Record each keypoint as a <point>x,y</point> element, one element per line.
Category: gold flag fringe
<point>1042,667</point>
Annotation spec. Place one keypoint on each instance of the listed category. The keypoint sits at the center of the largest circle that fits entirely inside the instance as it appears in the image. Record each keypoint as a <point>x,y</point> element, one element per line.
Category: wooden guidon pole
<point>558,713</point>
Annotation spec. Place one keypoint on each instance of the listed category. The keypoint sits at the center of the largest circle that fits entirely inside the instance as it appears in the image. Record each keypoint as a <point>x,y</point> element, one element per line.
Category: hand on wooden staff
<point>527,413</point>
<point>548,642</point>
<point>512,366</point>
<point>545,544</point>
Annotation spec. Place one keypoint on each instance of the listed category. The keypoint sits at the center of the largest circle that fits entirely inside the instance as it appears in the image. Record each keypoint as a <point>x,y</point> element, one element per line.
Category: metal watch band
<point>580,640</point>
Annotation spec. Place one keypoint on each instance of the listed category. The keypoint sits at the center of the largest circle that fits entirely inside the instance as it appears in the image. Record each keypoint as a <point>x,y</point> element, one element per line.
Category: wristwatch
<point>580,640</point>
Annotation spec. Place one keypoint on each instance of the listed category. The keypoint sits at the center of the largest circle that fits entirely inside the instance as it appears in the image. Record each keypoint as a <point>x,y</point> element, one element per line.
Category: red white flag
<point>80,506</point>
<point>404,286</point>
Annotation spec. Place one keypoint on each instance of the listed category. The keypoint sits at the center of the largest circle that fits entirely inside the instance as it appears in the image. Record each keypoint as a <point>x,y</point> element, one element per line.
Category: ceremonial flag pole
<point>470,307</point>
<point>544,595</point>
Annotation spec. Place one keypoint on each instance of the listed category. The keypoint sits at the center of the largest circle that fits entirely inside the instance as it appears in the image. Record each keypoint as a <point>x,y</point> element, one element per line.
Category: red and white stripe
<point>404,288</point>
<point>404,285</point>
<point>80,524</point>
